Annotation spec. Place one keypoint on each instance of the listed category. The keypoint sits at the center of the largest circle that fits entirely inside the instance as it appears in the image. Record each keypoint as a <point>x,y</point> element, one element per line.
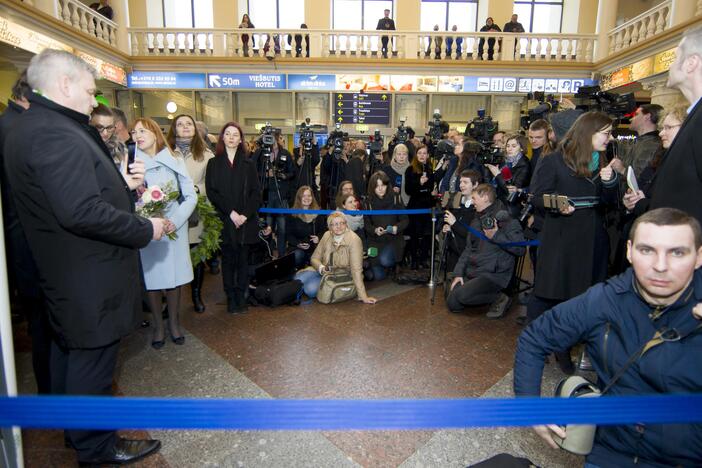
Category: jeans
<point>386,259</point>
<point>279,226</point>
<point>302,257</point>
<point>590,465</point>
<point>310,282</point>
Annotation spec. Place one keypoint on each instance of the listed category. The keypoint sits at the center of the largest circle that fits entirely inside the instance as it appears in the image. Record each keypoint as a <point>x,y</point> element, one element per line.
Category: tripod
<point>442,266</point>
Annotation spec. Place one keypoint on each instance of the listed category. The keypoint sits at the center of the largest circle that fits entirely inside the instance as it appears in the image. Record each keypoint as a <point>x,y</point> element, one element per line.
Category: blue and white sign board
<point>312,82</point>
<point>165,80</point>
<point>487,84</point>
<point>246,81</point>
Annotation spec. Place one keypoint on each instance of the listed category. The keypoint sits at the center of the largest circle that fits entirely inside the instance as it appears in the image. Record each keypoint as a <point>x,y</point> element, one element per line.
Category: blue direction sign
<point>362,108</point>
<point>165,80</point>
<point>312,82</point>
<point>246,81</point>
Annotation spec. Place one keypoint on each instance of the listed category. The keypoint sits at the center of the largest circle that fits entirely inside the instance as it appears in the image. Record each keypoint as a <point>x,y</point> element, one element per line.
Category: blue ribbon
<point>481,235</point>
<point>358,212</point>
<point>261,414</point>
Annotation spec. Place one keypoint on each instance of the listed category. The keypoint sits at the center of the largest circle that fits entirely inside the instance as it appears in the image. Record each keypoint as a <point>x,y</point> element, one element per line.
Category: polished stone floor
<point>402,347</point>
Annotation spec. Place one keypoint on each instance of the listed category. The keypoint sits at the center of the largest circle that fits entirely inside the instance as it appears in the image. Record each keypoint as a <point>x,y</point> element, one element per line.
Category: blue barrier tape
<point>482,236</point>
<point>262,414</point>
<point>358,212</point>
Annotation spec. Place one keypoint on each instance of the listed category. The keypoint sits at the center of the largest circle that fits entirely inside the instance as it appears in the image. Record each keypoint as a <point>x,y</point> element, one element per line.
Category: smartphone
<point>131,154</point>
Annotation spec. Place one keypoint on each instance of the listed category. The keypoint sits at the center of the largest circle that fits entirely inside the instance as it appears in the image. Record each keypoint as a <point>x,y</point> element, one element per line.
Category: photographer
<point>419,180</point>
<point>276,172</point>
<point>459,214</point>
<point>403,136</point>
<point>355,170</point>
<point>485,267</point>
<point>513,176</point>
<point>306,157</point>
<point>333,168</point>
<point>384,232</point>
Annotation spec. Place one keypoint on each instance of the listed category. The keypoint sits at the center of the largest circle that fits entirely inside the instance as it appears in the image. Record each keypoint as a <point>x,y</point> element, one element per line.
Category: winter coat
<point>235,187</point>
<point>347,255</point>
<point>573,249</point>
<point>464,217</point>
<point>420,196</point>
<point>305,173</point>
<point>640,154</point>
<point>196,169</point>
<point>78,215</point>
<point>374,221</point>
<point>486,258</point>
<point>166,262</point>
<point>613,321</point>
<point>298,231</point>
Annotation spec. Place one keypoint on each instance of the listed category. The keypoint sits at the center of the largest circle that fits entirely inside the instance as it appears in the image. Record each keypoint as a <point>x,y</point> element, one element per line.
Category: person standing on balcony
<point>678,181</point>
<point>105,9</point>
<point>489,26</point>
<point>385,24</point>
<point>512,26</point>
<point>247,24</point>
<point>449,43</point>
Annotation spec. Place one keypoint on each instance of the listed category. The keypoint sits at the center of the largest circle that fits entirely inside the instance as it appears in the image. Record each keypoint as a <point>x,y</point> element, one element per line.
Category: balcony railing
<point>82,17</point>
<point>361,45</point>
<point>646,25</point>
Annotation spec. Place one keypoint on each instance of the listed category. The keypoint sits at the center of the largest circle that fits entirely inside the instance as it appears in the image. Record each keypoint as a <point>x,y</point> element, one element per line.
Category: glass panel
<point>432,13</point>
<point>347,14</point>
<point>524,12</point>
<point>263,13</point>
<point>275,108</point>
<point>291,14</point>
<point>547,18</point>
<point>463,15</point>
<point>373,11</point>
<point>154,13</point>
<point>178,13</point>
<point>203,13</point>
<point>214,109</point>
<point>314,106</point>
<point>154,105</point>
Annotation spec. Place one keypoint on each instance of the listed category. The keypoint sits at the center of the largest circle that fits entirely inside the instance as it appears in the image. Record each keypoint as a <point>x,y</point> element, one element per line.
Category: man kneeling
<point>617,320</point>
<point>486,265</point>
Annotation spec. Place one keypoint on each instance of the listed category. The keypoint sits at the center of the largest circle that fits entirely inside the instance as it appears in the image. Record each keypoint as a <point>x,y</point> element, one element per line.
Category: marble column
<point>314,107</point>
<point>120,9</point>
<point>412,107</point>
<point>606,20</point>
<point>661,94</point>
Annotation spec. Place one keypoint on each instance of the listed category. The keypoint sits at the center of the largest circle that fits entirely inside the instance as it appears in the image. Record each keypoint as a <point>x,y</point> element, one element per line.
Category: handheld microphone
<point>506,173</point>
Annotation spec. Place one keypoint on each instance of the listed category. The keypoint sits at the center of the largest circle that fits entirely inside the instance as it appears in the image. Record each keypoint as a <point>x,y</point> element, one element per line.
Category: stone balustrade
<point>81,17</point>
<point>646,25</point>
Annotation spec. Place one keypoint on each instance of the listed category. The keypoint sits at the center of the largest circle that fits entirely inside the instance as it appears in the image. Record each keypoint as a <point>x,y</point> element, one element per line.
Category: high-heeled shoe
<point>158,344</point>
<point>180,340</point>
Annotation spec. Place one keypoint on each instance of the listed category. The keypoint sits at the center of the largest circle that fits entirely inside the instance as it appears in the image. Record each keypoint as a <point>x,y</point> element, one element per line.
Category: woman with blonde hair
<point>166,262</point>
<point>188,144</point>
<point>339,248</point>
<point>396,173</point>
<point>303,231</point>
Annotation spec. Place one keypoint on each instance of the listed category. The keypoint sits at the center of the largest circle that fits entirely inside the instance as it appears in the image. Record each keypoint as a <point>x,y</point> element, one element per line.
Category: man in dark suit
<point>513,25</point>
<point>678,181</point>
<point>78,215</point>
<point>385,24</point>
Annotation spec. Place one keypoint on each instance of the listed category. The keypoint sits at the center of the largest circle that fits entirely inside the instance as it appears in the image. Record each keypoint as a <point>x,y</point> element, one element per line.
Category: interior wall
<point>7,79</point>
<point>318,14</point>
<point>587,16</point>
<point>628,9</point>
<point>224,14</point>
<point>137,13</point>
<point>500,10</point>
<point>407,14</point>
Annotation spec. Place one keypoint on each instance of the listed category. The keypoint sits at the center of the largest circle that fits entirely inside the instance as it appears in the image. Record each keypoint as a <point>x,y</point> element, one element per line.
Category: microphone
<point>506,173</point>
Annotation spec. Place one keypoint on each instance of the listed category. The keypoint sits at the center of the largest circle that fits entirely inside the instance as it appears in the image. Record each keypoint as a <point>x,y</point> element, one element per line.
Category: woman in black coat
<point>384,232</point>
<point>303,231</point>
<point>574,246</point>
<point>419,183</point>
<point>514,175</point>
<point>233,188</point>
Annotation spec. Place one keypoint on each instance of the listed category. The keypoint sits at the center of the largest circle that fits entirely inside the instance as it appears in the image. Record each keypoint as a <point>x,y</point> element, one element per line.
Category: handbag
<point>580,437</point>
<point>336,286</point>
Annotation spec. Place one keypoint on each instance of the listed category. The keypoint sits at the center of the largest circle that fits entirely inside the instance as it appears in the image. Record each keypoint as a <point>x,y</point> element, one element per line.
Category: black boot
<point>196,287</point>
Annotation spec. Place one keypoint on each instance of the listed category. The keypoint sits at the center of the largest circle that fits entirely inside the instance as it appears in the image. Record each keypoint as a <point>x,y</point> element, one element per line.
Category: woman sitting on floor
<point>304,230</point>
<point>338,248</point>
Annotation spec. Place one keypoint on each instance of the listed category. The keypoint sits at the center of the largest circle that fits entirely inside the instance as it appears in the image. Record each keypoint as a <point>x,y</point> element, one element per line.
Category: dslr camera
<point>306,137</point>
<point>336,141</point>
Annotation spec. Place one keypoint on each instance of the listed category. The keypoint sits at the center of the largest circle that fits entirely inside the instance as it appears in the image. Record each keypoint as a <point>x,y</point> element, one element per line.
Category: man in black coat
<point>385,24</point>
<point>513,25</point>
<point>678,181</point>
<point>78,216</point>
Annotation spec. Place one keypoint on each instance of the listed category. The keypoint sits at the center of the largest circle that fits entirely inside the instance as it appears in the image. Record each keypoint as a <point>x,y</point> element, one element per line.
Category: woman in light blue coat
<point>166,262</point>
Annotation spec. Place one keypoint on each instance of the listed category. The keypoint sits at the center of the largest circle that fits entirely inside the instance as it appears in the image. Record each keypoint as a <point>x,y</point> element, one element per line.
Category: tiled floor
<point>401,347</point>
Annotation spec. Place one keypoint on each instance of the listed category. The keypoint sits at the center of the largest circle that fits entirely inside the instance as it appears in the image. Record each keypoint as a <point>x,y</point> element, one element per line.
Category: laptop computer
<point>282,268</point>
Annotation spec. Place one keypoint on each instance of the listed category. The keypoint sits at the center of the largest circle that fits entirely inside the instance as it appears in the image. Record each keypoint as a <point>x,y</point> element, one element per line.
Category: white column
<point>681,11</point>
<point>506,110</point>
<point>120,8</point>
<point>314,107</point>
<point>606,20</point>
<point>662,95</point>
<point>412,107</point>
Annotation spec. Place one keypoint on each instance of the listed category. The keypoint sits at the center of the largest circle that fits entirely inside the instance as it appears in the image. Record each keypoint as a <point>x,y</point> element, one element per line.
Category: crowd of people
<point>80,188</point>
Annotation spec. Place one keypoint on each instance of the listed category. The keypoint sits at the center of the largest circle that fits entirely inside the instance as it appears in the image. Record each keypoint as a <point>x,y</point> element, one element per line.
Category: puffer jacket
<point>614,323</point>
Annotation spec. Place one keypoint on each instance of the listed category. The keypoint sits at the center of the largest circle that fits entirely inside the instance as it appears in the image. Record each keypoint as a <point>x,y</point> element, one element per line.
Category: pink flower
<point>156,193</point>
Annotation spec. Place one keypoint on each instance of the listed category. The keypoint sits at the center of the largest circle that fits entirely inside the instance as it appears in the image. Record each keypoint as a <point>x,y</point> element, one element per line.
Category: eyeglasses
<point>668,128</point>
<point>109,128</point>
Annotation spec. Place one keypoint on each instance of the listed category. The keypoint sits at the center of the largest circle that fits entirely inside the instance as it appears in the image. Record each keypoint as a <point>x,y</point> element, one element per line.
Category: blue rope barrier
<point>357,212</point>
<point>482,236</point>
<point>262,414</point>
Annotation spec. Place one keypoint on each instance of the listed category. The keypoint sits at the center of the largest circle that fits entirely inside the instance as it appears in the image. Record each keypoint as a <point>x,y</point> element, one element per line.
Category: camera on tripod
<point>306,136</point>
<point>482,128</point>
<point>402,134</point>
<point>435,132</point>
<point>336,141</point>
<point>376,144</point>
<point>443,151</point>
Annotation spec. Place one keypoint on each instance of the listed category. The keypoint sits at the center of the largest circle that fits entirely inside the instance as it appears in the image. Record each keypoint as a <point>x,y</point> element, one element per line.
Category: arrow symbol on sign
<point>215,81</point>
<point>340,104</point>
<point>384,97</point>
<point>340,119</point>
<point>340,96</point>
<point>340,112</point>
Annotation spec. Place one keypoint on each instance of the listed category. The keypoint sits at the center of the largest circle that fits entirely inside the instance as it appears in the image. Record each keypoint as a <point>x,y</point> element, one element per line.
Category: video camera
<point>306,136</point>
<point>402,134</point>
<point>482,128</point>
<point>547,104</point>
<point>612,104</point>
<point>376,144</point>
<point>435,132</point>
<point>336,141</point>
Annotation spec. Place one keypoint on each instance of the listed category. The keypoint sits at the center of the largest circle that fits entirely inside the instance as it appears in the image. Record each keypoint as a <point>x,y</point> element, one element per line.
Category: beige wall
<point>629,9</point>
<point>318,14</point>
<point>407,14</point>
<point>587,17</point>
<point>137,13</point>
<point>7,79</point>
<point>500,10</point>
<point>224,13</point>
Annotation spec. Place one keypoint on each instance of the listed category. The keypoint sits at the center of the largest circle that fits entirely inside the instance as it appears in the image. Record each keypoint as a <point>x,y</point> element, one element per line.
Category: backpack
<point>279,292</point>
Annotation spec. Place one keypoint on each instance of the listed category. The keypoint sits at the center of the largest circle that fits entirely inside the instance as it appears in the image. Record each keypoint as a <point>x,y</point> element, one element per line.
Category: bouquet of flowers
<point>154,202</point>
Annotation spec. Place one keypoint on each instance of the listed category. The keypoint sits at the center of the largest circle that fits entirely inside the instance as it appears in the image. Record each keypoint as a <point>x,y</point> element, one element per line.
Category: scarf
<point>355,222</point>
<point>401,169</point>
<point>183,144</point>
<point>512,161</point>
<point>595,161</point>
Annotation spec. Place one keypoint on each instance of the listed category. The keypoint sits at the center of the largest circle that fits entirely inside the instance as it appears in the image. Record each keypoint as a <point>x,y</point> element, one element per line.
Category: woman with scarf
<point>464,158</point>
<point>349,202</point>
<point>396,173</point>
<point>166,262</point>
<point>385,232</point>
<point>189,145</point>
<point>514,175</point>
<point>338,248</point>
<point>303,231</point>
<point>419,178</point>
<point>574,247</point>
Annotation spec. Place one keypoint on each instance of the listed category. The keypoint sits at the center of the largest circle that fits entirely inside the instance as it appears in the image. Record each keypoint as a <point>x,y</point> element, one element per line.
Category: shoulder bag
<point>336,285</point>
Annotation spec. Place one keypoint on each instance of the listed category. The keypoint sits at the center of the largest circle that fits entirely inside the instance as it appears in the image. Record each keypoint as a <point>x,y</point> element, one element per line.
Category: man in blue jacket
<point>615,319</point>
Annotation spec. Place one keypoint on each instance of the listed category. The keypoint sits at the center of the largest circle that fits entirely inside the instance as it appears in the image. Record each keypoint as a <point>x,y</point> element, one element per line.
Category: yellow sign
<point>106,70</point>
<point>362,128</point>
<point>19,36</point>
<point>642,69</point>
<point>663,61</point>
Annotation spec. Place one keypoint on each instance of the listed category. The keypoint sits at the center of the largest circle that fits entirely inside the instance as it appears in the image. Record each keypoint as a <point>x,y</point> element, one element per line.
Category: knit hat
<point>563,120</point>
